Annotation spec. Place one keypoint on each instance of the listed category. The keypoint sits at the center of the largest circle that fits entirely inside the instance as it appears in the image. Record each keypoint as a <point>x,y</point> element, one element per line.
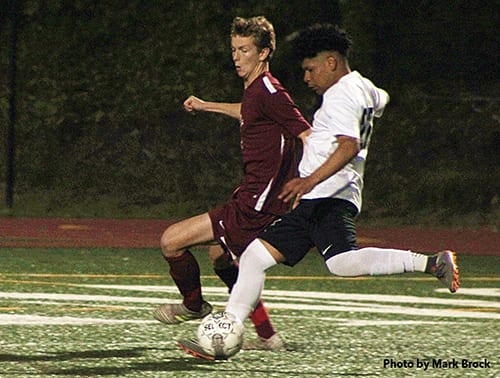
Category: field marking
<point>51,283</point>
<point>487,292</point>
<point>13,319</point>
<point>39,320</point>
<point>74,227</point>
<point>65,275</point>
<point>268,278</point>
<point>293,300</point>
<point>365,322</point>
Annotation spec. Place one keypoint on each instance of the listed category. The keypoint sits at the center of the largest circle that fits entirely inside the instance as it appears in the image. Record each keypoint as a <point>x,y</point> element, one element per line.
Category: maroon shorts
<point>236,224</point>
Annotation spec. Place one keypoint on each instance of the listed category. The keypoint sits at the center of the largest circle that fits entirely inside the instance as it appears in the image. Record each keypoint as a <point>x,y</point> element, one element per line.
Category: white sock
<point>247,290</point>
<point>376,261</point>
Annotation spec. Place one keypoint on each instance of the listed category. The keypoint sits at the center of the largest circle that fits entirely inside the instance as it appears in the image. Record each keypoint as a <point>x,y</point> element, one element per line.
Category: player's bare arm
<point>195,104</point>
<point>304,134</point>
<point>347,149</point>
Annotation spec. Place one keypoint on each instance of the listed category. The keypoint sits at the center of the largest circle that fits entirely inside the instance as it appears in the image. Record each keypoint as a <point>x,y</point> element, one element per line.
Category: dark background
<point>100,128</point>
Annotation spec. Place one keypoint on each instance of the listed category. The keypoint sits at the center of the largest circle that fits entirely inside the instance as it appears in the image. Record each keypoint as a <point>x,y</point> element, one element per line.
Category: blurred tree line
<point>100,86</point>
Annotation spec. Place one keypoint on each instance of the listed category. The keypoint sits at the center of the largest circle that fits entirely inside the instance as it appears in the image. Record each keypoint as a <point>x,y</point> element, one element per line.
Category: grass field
<point>87,313</point>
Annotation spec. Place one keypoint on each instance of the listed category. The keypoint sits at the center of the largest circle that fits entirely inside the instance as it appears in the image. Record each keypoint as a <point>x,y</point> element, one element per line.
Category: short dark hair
<point>257,27</point>
<point>308,43</point>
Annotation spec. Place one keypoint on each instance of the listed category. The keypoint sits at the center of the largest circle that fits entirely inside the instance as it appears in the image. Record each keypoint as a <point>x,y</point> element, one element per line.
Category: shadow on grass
<point>124,362</point>
<point>162,365</point>
<point>66,356</point>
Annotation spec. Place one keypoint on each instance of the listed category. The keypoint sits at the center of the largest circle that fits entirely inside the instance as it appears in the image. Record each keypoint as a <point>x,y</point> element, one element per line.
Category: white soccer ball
<point>221,334</point>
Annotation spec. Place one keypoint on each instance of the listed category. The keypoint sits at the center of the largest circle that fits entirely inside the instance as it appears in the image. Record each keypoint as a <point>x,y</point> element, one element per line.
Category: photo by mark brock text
<point>437,363</point>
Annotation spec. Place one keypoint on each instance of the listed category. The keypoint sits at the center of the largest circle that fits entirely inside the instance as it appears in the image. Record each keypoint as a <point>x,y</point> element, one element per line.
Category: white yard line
<point>275,299</point>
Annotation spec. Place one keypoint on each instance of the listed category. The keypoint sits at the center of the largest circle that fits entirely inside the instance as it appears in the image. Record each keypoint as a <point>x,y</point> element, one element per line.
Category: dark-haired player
<point>327,194</point>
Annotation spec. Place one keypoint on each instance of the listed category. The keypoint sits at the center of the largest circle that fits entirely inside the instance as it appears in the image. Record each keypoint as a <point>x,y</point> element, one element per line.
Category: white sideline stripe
<point>486,292</point>
<point>357,322</point>
<point>315,295</point>
<point>87,305</point>
<point>347,302</point>
<point>383,298</point>
<point>85,297</point>
<point>267,295</point>
<point>13,319</point>
<point>389,310</point>
<point>269,278</point>
<point>373,308</point>
<point>37,320</point>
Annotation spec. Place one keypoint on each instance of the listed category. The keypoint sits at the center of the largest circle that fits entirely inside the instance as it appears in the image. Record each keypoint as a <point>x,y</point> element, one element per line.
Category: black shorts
<point>325,223</point>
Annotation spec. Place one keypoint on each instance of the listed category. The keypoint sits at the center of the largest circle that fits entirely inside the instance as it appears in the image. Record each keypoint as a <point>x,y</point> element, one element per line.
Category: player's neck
<point>259,70</point>
<point>342,71</point>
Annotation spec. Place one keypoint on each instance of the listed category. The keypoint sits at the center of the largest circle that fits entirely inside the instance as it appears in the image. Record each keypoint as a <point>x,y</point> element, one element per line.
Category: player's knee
<point>164,244</point>
<point>333,268</point>
<point>168,248</point>
<point>341,264</point>
<point>215,252</point>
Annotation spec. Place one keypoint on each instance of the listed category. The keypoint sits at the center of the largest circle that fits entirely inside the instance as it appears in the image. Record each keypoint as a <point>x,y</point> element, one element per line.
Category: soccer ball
<point>221,334</point>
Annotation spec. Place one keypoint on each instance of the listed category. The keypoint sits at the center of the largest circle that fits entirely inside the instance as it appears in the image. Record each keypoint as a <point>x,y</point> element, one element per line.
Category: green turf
<point>365,323</point>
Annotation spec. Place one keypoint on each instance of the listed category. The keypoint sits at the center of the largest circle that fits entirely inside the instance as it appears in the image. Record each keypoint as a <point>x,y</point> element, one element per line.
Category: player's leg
<point>284,241</point>
<point>335,237</point>
<point>186,233</point>
<point>375,261</point>
<point>184,269</point>
<point>383,261</point>
<point>227,269</point>
<point>334,234</point>
<point>254,263</point>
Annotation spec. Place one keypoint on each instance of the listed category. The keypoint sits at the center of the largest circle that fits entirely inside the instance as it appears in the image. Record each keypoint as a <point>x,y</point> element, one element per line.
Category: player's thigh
<point>187,233</point>
<point>335,230</point>
<point>289,236</point>
<point>236,224</point>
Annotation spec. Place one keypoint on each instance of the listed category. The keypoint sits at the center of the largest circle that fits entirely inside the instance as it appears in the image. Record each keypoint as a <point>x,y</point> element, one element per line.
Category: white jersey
<point>348,109</point>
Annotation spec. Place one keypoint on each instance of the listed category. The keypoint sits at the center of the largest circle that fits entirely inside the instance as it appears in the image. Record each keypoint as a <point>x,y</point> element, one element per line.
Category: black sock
<point>431,264</point>
<point>227,270</point>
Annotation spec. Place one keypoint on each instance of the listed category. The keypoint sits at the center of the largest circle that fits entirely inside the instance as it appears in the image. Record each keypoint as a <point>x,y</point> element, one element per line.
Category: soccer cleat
<point>275,343</point>
<point>196,350</point>
<point>178,313</point>
<point>445,269</point>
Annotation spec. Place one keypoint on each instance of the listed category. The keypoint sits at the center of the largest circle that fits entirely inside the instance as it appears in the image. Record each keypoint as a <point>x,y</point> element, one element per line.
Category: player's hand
<point>193,104</point>
<point>295,189</point>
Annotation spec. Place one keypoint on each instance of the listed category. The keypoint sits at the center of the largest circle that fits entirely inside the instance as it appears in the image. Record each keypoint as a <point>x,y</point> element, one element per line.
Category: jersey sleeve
<point>343,117</point>
<point>280,107</point>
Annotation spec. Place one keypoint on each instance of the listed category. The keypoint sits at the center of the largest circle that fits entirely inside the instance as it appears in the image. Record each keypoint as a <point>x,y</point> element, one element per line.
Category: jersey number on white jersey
<point>366,125</point>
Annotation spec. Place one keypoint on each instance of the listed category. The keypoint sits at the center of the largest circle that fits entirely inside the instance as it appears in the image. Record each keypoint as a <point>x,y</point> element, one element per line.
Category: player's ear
<point>264,54</point>
<point>332,62</point>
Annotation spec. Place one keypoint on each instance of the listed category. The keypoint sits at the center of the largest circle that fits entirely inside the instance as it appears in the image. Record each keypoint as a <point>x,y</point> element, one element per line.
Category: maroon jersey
<point>270,125</point>
<point>269,128</point>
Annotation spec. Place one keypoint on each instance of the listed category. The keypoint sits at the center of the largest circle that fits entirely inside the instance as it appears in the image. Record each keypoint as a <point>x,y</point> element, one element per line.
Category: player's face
<point>319,72</point>
<point>248,60</point>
